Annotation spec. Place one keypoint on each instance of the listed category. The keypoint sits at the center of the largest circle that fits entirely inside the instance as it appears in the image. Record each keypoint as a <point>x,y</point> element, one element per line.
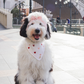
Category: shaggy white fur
<point>31,70</point>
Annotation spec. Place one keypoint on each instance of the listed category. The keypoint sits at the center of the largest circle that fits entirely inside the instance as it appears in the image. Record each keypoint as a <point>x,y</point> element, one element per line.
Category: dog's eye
<point>32,23</point>
<point>40,23</point>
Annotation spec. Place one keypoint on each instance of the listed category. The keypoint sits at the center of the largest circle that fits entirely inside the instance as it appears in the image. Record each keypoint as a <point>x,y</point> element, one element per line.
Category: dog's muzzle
<point>37,34</point>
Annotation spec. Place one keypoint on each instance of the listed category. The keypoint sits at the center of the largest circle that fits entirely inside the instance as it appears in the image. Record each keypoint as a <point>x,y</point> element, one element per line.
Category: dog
<point>34,55</point>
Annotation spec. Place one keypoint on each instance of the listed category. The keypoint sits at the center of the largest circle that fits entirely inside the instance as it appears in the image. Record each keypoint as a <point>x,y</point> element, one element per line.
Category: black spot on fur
<point>48,30</point>
<point>51,70</point>
<point>16,79</point>
<point>48,35</point>
<point>23,28</point>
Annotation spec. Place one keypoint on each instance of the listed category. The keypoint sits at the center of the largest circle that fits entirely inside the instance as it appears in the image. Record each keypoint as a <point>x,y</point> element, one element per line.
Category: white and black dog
<point>34,55</point>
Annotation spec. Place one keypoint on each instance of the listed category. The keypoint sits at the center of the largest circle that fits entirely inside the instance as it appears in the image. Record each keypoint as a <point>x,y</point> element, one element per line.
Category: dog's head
<point>36,27</point>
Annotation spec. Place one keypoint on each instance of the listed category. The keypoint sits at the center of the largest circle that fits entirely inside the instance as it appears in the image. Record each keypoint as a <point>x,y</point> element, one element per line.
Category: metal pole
<point>60,10</point>
<point>75,15</point>
<point>43,6</point>
<point>19,13</point>
<point>4,3</point>
<point>70,13</point>
<point>30,6</point>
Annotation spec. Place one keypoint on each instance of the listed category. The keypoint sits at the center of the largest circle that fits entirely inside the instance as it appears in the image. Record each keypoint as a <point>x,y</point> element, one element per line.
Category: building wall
<point>80,6</point>
<point>26,4</point>
<point>8,4</point>
<point>1,3</point>
<point>36,5</point>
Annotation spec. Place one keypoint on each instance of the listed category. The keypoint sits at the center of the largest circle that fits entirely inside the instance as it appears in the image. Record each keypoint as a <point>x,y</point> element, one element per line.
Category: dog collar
<point>36,50</point>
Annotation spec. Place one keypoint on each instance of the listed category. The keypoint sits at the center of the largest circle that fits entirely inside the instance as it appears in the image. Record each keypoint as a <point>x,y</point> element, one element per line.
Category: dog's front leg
<point>42,77</point>
<point>26,78</point>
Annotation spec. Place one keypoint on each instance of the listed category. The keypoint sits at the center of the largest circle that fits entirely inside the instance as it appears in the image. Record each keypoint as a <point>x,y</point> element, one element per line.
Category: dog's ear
<point>48,34</point>
<point>23,27</point>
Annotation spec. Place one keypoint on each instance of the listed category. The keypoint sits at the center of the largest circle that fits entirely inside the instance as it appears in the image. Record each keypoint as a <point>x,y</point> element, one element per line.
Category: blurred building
<point>10,4</point>
<point>38,7</point>
<point>50,9</point>
<point>77,9</point>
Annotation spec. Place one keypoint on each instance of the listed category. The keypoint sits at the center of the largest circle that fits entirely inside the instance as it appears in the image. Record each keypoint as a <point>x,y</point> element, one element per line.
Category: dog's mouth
<point>36,36</point>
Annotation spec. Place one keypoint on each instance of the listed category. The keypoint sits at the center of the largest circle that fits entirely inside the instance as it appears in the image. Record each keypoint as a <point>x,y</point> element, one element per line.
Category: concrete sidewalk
<point>68,55</point>
<point>2,27</point>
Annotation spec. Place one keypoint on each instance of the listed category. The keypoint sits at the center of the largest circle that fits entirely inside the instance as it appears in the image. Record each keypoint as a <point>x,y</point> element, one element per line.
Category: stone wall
<point>6,18</point>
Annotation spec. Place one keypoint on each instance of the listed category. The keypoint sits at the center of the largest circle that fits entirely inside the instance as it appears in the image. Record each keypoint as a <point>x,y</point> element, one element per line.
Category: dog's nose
<point>37,30</point>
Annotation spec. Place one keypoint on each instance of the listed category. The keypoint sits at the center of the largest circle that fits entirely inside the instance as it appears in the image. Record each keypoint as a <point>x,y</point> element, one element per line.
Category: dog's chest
<point>28,63</point>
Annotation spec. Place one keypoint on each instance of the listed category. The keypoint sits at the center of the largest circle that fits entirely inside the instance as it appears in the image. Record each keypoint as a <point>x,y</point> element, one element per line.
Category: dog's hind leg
<point>16,79</point>
<point>50,79</point>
